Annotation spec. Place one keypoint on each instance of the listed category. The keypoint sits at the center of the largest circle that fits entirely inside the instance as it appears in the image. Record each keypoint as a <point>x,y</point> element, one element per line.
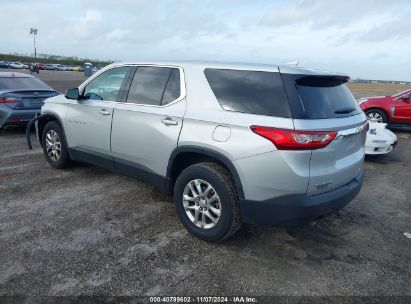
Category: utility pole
<point>34,32</point>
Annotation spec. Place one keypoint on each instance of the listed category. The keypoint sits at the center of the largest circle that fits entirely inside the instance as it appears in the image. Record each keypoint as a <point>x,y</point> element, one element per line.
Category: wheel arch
<point>45,119</point>
<point>380,109</point>
<point>41,121</point>
<point>185,156</point>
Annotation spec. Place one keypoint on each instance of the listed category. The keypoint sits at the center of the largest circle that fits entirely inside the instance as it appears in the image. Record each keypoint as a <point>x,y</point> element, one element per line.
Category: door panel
<point>144,136</point>
<point>89,124</point>
<point>89,118</point>
<point>402,111</point>
<point>146,127</point>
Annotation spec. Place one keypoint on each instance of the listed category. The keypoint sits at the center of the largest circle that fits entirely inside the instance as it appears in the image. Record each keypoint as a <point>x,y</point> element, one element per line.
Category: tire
<point>57,160</point>
<point>377,115</point>
<point>219,179</point>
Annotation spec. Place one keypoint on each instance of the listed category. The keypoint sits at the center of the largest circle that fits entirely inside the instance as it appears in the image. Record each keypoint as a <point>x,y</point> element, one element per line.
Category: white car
<point>61,67</point>
<point>18,65</point>
<point>379,140</point>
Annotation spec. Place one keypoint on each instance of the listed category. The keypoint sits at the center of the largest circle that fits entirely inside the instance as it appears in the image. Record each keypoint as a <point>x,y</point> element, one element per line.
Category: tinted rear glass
<point>249,91</point>
<point>22,83</point>
<point>326,98</point>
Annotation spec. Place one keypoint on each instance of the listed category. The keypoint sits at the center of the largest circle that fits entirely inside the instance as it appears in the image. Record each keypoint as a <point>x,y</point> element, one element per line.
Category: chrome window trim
<point>183,91</point>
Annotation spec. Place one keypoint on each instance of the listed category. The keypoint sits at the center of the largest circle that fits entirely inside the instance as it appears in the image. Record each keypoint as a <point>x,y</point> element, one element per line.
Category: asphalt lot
<point>87,231</point>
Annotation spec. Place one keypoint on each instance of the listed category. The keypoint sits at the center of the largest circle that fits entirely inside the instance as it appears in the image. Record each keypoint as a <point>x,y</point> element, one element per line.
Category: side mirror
<point>72,93</point>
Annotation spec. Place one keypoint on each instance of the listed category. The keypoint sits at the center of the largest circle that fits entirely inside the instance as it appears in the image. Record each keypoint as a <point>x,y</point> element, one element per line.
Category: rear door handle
<point>169,122</point>
<point>104,112</point>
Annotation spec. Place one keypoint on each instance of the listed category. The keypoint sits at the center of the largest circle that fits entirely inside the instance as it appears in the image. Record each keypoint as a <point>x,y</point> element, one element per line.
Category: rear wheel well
<point>185,159</point>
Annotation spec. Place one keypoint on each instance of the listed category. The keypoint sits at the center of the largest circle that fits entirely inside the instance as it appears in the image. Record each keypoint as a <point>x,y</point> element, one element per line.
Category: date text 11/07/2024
<point>203,299</point>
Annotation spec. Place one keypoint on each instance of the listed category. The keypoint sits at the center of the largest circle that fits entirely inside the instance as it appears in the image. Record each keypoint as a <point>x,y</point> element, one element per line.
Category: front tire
<point>206,202</point>
<point>54,145</point>
<point>376,115</point>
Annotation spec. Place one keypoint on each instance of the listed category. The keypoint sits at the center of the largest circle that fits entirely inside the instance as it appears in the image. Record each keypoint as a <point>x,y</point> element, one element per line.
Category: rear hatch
<point>24,93</point>
<point>324,103</point>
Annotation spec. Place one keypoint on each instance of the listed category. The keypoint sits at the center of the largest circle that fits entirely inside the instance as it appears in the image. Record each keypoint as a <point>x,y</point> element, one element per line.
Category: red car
<point>394,110</point>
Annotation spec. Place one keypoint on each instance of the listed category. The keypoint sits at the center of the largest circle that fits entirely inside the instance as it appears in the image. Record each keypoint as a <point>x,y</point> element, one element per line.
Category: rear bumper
<point>9,116</point>
<point>380,149</point>
<point>292,210</point>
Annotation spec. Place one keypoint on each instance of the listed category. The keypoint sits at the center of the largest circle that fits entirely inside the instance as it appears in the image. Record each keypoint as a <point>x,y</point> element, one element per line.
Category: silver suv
<point>232,143</point>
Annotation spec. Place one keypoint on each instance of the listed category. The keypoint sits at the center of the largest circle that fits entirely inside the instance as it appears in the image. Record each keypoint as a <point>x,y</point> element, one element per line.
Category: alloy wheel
<point>53,145</point>
<point>375,117</point>
<point>202,204</point>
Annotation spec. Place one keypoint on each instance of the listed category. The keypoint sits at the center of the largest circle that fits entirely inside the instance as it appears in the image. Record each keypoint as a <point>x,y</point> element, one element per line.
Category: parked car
<point>4,65</point>
<point>232,143</point>
<point>49,66</point>
<point>394,110</point>
<point>78,69</point>
<point>61,67</point>
<point>21,97</point>
<point>18,65</point>
<point>379,140</point>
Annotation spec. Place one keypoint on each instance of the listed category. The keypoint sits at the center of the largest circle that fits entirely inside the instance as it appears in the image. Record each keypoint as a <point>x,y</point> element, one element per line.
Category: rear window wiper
<point>344,111</point>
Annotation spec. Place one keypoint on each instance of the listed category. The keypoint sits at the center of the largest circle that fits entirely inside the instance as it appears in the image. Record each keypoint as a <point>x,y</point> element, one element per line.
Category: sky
<point>368,39</point>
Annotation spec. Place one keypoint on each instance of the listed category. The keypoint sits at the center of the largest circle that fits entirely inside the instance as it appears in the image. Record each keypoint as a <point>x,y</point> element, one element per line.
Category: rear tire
<point>206,202</point>
<point>376,115</point>
<point>54,145</point>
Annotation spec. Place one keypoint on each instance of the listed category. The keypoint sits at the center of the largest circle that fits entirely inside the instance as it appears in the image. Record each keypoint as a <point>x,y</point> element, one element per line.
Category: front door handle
<point>104,112</point>
<point>169,122</point>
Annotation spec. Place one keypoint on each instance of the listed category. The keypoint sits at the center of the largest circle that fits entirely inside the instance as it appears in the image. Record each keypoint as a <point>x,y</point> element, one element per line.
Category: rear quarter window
<point>251,92</point>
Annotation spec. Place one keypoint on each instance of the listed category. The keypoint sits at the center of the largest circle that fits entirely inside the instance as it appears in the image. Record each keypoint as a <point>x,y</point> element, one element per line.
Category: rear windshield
<point>22,83</point>
<point>326,98</point>
<point>251,92</point>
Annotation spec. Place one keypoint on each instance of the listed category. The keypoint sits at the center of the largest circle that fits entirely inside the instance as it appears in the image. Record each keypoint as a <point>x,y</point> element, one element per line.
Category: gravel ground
<point>87,231</point>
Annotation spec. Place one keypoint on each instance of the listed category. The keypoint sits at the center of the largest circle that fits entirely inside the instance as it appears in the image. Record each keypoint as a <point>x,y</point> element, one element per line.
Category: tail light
<point>285,139</point>
<point>8,99</point>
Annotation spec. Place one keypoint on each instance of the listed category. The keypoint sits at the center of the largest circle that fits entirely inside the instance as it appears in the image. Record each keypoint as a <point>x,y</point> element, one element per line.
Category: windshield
<point>401,93</point>
<point>22,83</point>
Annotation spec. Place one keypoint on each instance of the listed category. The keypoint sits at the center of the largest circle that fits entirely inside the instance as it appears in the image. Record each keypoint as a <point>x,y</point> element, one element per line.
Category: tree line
<point>44,58</point>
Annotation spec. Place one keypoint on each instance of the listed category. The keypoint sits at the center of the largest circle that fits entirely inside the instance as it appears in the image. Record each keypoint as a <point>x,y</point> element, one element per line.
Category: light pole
<point>34,32</point>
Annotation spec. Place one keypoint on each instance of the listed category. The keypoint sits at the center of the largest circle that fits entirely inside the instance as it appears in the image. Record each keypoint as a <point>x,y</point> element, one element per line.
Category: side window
<point>154,86</point>
<point>251,92</point>
<point>107,85</point>
<point>172,91</point>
